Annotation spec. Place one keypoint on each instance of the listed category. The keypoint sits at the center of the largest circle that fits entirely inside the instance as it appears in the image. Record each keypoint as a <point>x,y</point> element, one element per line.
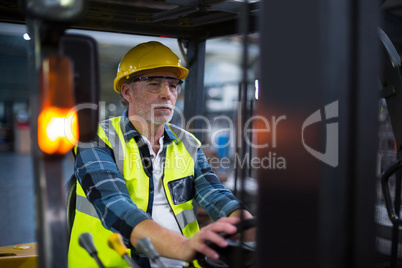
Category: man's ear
<point>125,92</point>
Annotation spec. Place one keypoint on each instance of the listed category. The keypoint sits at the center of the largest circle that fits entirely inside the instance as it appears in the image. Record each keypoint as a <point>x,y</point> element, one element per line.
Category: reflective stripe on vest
<point>185,217</point>
<point>84,206</point>
<point>114,138</point>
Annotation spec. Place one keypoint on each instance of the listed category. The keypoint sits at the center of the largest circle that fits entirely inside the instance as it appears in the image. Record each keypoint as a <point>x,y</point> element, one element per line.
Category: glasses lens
<point>155,84</point>
<point>174,85</point>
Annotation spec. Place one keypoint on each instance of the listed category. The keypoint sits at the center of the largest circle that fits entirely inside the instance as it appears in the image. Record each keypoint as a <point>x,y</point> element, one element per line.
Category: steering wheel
<point>229,256</point>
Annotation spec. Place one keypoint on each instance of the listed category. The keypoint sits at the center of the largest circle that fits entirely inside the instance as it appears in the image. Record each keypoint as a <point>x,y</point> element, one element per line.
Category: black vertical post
<point>250,138</point>
<point>194,93</point>
<point>289,88</point>
<point>319,70</point>
<point>361,101</point>
<point>238,139</point>
<point>34,60</point>
<point>242,132</point>
<point>395,225</point>
<point>51,216</point>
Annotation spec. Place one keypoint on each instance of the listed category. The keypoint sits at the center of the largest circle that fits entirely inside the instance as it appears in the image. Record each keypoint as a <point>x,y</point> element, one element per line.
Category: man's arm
<point>217,200</point>
<point>172,245</point>
<point>106,189</point>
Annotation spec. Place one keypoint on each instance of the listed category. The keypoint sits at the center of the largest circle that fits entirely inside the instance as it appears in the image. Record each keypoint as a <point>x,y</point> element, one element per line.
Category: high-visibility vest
<point>178,178</point>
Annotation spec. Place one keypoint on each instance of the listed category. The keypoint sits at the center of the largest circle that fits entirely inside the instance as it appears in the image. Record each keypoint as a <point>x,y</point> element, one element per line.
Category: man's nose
<point>165,90</point>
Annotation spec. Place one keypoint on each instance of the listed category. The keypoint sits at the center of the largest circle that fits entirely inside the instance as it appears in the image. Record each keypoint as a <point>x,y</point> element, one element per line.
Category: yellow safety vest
<point>178,173</point>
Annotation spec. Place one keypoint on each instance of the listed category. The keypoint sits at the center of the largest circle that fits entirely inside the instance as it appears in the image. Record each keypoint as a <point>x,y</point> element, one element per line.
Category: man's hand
<point>197,243</point>
<point>248,235</point>
<point>172,245</point>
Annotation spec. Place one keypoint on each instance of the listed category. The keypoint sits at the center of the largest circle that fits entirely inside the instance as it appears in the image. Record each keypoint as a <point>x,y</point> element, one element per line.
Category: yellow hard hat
<point>147,56</point>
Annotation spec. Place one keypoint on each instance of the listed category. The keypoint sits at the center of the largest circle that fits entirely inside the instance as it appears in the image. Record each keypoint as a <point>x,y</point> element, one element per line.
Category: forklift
<point>319,69</point>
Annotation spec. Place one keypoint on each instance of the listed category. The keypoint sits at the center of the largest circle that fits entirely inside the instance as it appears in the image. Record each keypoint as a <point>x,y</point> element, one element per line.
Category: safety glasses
<point>155,84</point>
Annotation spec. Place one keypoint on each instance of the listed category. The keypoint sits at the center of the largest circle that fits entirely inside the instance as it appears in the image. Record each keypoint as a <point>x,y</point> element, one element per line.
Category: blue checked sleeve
<point>210,194</point>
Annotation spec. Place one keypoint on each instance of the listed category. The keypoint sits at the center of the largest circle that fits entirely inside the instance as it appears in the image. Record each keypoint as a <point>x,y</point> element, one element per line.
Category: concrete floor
<point>17,197</point>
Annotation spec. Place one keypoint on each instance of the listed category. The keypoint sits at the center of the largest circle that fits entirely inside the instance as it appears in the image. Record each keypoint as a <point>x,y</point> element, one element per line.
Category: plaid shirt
<point>106,188</point>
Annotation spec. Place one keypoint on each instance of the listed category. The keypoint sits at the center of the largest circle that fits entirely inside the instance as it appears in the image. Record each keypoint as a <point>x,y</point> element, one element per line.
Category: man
<point>142,174</point>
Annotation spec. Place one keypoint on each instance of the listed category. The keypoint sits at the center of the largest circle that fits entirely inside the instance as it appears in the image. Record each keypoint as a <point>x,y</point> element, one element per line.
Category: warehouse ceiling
<point>182,19</point>
<point>178,19</point>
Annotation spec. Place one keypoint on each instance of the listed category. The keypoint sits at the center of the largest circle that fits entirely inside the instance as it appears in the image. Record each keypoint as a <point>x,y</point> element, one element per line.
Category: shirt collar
<point>130,132</point>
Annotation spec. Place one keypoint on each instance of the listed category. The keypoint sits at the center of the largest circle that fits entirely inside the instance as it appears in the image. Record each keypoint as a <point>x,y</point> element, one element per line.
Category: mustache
<point>163,105</point>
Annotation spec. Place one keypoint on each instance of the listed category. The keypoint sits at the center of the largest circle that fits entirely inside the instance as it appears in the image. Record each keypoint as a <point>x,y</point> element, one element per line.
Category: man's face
<point>154,108</point>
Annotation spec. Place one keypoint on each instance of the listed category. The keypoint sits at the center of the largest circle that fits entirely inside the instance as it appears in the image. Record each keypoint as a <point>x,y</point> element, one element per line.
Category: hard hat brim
<point>182,73</point>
